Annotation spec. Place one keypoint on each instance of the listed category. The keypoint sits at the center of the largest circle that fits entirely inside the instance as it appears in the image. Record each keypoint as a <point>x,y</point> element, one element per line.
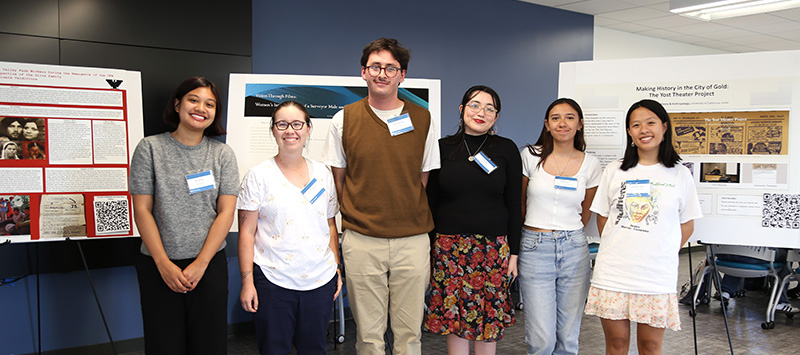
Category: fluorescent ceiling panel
<point>708,10</point>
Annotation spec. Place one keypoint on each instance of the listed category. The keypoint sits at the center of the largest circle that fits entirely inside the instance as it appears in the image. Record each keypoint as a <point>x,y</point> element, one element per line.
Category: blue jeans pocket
<point>578,241</point>
<point>529,242</point>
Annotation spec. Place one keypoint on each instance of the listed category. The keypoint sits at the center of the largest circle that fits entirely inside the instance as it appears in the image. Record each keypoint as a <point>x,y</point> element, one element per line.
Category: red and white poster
<point>66,138</point>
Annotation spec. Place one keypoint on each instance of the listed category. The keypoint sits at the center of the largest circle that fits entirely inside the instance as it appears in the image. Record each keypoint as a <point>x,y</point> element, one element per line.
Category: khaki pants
<point>387,276</point>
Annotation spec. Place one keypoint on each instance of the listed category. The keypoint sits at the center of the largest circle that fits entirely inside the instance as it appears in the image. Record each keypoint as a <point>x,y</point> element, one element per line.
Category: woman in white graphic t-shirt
<point>646,205</point>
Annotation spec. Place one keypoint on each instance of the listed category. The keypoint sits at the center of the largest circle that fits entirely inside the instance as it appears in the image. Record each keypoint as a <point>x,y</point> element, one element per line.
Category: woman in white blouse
<point>558,184</point>
<point>288,243</point>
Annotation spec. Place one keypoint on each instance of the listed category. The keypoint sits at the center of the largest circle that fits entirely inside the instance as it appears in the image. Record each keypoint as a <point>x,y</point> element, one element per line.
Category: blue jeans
<point>553,270</point>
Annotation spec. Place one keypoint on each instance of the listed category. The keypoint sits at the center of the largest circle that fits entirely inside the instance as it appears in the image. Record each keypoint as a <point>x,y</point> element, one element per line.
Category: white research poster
<point>741,152</point>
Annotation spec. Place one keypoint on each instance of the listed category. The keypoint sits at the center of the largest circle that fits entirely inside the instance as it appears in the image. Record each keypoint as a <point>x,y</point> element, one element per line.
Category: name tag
<point>312,191</point>
<point>201,181</point>
<point>566,183</point>
<point>400,124</point>
<point>485,163</point>
<point>637,188</point>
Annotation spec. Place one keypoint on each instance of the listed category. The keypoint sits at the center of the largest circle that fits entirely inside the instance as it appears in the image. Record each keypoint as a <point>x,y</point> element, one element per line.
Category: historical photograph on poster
<point>768,136</point>
<point>720,172</point>
<point>731,133</point>
<point>725,138</point>
<point>690,135</point>
<point>62,216</point>
<point>15,215</point>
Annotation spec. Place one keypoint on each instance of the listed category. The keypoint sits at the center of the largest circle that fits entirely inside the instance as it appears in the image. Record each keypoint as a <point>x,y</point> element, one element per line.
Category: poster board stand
<point>91,285</point>
<point>693,311</point>
<point>94,292</point>
<point>718,285</point>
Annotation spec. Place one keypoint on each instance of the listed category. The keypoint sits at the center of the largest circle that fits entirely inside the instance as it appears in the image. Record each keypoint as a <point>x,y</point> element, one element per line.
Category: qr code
<point>781,211</point>
<point>112,216</point>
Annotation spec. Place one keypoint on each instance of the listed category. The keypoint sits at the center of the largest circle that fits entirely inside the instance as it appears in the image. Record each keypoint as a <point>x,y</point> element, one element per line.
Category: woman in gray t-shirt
<point>184,188</point>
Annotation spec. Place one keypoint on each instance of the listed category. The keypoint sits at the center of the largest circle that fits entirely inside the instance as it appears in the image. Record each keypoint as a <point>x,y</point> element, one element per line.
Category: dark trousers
<point>287,317</point>
<point>192,323</point>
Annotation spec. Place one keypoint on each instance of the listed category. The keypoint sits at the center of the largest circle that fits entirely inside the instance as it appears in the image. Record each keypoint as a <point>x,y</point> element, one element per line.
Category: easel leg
<point>96,299</point>
<point>718,285</point>
<point>693,311</point>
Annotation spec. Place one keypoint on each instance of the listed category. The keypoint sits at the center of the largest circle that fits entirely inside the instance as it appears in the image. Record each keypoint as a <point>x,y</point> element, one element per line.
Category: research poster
<point>253,97</point>
<point>67,135</point>
<point>734,130</point>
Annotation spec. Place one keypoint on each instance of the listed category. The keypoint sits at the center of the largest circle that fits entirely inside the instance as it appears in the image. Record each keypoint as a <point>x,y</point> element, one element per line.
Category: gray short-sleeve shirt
<point>160,166</point>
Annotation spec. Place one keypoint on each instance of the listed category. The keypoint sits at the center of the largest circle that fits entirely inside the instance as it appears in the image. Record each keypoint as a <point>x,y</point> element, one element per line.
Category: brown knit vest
<point>383,195</point>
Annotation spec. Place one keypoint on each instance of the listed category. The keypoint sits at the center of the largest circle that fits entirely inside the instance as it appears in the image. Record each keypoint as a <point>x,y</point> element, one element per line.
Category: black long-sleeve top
<point>466,200</point>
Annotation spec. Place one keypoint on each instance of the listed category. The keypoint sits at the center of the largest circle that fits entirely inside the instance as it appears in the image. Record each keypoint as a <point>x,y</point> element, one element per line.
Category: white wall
<point>613,44</point>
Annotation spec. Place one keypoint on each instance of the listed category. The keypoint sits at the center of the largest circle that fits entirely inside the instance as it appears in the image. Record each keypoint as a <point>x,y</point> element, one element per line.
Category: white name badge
<point>637,188</point>
<point>201,181</point>
<point>485,163</point>
<point>312,191</point>
<point>400,124</point>
<point>566,183</point>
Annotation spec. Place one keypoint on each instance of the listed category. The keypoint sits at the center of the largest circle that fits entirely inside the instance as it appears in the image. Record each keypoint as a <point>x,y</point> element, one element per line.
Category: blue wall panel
<point>512,46</point>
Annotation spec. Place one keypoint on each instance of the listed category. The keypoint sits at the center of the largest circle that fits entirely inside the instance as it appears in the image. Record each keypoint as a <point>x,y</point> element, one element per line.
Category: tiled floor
<point>744,317</point>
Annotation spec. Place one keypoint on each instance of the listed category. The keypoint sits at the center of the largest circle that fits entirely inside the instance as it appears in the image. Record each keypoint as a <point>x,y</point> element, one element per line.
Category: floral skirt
<point>655,310</point>
<point>469,294</point>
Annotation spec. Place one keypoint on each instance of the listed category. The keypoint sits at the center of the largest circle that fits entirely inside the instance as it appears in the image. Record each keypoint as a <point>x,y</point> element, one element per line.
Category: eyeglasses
<point>283,125</point>
<point>488,110</point>
<point>375,70</point>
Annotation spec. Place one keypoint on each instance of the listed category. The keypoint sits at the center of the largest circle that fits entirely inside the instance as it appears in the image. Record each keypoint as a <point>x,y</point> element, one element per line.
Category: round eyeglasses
<point>487,110</point>
<point>283,125</point>
<point>375,70</point>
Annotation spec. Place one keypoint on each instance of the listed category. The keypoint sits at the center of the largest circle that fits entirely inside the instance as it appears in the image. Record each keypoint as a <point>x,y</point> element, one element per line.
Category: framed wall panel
<point>201,25</point>
<point>28,49</point>
<point>29,17</point>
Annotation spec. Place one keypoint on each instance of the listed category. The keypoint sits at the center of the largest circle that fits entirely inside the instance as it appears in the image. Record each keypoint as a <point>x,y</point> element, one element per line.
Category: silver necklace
<point>561,173</point>
<point>471,157</point>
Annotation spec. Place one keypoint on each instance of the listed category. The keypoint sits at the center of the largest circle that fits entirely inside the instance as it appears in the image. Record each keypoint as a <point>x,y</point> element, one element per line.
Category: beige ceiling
<point>773,31</point>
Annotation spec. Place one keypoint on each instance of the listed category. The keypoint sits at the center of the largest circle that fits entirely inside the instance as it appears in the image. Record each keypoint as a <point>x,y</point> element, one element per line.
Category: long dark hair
<point>171,116</point>
<point>545,141</point>
<point>667,155</point>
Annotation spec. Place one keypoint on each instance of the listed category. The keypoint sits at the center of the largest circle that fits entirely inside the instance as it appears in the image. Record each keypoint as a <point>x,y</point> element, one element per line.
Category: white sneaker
<point>787,308</point>
<point>725,295</point>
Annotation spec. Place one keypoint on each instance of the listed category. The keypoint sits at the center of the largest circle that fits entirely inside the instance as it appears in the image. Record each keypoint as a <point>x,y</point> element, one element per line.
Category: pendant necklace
<point>561,173</point>
<point>471,157</point>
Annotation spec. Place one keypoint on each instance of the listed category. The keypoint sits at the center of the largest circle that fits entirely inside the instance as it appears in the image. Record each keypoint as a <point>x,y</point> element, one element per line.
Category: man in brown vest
<point>381,149</point>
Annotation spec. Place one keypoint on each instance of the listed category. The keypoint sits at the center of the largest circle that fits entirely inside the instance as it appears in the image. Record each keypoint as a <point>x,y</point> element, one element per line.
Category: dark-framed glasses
<point>375,70</point>
<point>283,125</point>
<point>487,110</point>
